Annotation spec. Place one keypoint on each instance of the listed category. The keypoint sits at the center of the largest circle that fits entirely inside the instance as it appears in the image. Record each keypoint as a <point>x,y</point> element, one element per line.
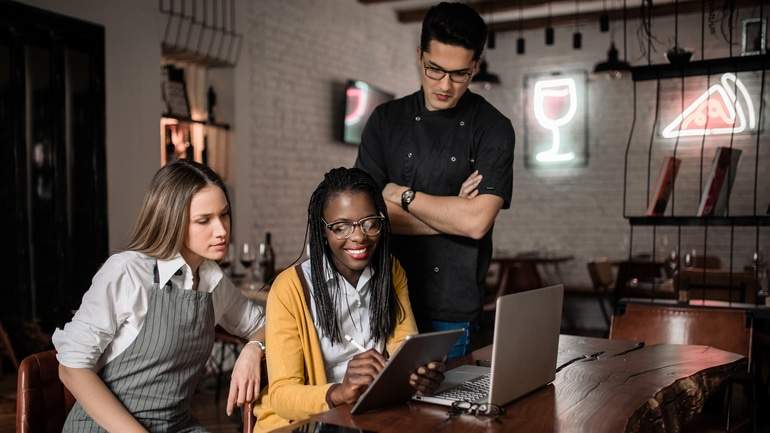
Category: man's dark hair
<point>384,308</point>
<point>454,24</point>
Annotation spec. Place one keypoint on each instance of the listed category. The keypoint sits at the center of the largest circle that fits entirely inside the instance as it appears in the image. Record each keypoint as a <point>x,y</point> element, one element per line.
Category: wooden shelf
<point>699,221</point>
<point>225,126</point>
<point>701,67</point>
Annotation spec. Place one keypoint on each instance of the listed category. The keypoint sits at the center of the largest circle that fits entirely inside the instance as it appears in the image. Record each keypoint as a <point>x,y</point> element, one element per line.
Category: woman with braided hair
<point>350,288</point>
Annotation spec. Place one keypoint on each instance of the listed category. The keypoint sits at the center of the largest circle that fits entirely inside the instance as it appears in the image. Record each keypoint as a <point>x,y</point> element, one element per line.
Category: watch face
<point>406,198</point>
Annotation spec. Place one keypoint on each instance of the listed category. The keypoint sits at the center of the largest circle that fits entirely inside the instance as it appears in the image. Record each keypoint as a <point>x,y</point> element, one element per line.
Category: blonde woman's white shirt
<point>114,307</point>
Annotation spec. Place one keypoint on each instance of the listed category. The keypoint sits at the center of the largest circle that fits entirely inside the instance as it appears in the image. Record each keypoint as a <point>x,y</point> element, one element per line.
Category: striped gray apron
<point>156,376</point>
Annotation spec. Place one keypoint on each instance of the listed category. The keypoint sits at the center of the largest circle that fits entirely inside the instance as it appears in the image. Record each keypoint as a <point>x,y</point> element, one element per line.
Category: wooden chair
<point>42,401</point>
<point>228,343</point>
<point>513,276</point>
<point>722,328</point>
<point>6,349</point>
<point>641,279</point>
<point>603,281</point>
<point>248,418</point>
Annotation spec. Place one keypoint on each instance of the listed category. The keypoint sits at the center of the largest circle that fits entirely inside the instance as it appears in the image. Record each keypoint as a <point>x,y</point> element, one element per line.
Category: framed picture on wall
<point>175,92</point>
<point>754,39</point>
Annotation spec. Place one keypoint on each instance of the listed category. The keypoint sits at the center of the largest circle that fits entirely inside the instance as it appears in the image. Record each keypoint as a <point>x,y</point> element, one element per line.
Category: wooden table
<point>626,387</point>
<point>719,285</point>
<point>258,296</point>
<point>519,273</point>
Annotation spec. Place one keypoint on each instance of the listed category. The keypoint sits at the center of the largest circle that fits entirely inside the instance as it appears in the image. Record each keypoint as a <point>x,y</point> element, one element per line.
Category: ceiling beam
<point>371,2</point>
<point>660,10</point>
<point>483,7</point>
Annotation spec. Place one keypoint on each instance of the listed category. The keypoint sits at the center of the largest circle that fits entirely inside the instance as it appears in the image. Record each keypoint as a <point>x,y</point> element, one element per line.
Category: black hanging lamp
<point>577,37</point>
<point>520,42</point>
<point>604,19</point>
<point>549,35</point>
<point>491,35</point>
<point>485,78</point>
<point>613,67</point>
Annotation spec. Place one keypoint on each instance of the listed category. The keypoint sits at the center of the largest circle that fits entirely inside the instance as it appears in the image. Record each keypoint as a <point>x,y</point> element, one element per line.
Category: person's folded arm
<point>469,217</point>
<point>404,223</point>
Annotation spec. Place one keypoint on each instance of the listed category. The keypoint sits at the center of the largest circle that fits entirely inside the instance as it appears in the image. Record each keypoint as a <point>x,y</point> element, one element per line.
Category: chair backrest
<point>601,274</point>
<point>249,420</point>
<point>724,329</point>
<point>708,262</point>
<point>42,401</point>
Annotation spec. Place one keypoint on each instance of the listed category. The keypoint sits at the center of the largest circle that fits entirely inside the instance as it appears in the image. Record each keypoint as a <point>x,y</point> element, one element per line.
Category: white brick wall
<point>295,52</point>
<point>296,58</point>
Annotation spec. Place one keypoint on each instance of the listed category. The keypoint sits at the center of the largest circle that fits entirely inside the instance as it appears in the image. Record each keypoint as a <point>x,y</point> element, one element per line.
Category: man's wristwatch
<point>406,198</point>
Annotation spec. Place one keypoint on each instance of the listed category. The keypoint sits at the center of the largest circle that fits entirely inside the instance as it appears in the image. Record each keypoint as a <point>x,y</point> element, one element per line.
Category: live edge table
<point>603,386</point>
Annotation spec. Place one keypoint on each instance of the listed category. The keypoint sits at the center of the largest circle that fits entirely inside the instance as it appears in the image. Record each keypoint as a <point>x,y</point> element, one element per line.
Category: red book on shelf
<point>714,199</point>
<point>664,186</point>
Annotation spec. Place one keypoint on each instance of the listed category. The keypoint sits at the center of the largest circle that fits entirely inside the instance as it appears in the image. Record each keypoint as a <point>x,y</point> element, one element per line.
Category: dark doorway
<point>52,162</point>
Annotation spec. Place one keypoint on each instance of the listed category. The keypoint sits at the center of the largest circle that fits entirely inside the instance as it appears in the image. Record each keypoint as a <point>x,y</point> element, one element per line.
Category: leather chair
<point>724,329</point>
<point>249,420</point>
<point>42,401</point>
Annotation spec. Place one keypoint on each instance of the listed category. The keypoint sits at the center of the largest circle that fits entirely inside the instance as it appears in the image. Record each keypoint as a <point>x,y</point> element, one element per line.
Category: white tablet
<point>392,384</point>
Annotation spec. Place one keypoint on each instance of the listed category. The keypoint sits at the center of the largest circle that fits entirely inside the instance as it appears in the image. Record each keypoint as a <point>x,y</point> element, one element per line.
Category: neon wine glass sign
<point>720,115</point>
<point>547,93</point>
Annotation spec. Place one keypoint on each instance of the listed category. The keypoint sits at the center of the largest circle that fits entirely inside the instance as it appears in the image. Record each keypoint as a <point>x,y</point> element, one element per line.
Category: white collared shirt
<point>114,307</point>
<point>353,315</point>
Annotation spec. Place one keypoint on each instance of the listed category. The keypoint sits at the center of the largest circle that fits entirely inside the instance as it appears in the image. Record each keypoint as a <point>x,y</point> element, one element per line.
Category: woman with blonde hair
<point>136,348</point>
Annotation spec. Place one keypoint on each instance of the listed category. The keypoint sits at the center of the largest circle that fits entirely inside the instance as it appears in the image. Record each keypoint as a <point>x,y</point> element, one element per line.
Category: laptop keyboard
<point>472,390</point>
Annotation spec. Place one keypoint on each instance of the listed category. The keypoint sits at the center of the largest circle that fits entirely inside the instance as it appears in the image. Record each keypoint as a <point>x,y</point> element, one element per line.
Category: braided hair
<point>385,309</point>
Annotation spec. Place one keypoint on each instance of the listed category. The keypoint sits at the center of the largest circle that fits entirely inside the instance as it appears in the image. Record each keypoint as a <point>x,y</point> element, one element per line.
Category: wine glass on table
<point>248,257</point>
<point>227,260</point>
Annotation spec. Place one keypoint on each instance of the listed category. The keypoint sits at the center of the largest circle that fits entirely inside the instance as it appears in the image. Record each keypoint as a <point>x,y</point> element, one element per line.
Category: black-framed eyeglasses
<point>370,226</point>
<point>490,410</point>
<point>435,73</point>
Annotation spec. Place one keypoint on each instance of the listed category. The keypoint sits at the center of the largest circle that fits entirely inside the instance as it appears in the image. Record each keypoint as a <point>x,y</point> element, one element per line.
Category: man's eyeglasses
<point>370,226</point>
<point>436,73</point>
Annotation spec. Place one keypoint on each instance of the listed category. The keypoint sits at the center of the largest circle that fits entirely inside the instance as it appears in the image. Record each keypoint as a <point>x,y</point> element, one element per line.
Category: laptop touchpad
<point>460,375</point>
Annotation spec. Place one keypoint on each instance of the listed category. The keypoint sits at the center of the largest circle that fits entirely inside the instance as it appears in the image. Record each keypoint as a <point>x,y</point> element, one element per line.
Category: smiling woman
<point>350,287</point>
<point>136,349</point>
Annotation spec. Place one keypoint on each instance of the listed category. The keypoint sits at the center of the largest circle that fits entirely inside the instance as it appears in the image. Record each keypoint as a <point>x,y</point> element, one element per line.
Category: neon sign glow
<point>552,91</point>
<point>715,116</point>
<point>359,93</point>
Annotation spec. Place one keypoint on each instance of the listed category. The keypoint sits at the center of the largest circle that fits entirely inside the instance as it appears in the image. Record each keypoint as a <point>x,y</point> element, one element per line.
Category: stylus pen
<point>355,343</point>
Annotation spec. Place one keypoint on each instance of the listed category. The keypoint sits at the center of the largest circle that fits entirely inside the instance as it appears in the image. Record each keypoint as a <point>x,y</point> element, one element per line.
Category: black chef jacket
<point>434,152</point>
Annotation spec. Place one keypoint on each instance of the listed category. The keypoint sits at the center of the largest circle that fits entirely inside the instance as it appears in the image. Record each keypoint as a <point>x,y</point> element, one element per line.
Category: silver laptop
<point>524,351</point>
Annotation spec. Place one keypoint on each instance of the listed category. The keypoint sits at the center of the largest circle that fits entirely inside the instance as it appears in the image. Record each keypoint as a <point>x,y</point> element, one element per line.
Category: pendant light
<point>577,37</point>
<point>485,78</point>
<point>520,42</point>
<point>613,67</point>
<point>604,19</point>
<point>491,35</point>
<point>549,36</point>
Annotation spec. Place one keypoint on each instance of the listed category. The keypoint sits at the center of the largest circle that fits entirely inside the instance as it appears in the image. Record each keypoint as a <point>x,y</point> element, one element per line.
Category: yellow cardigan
<point>295,363</point>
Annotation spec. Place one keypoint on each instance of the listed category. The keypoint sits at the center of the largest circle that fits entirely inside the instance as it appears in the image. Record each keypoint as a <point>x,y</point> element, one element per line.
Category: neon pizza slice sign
<point>717,111</point>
